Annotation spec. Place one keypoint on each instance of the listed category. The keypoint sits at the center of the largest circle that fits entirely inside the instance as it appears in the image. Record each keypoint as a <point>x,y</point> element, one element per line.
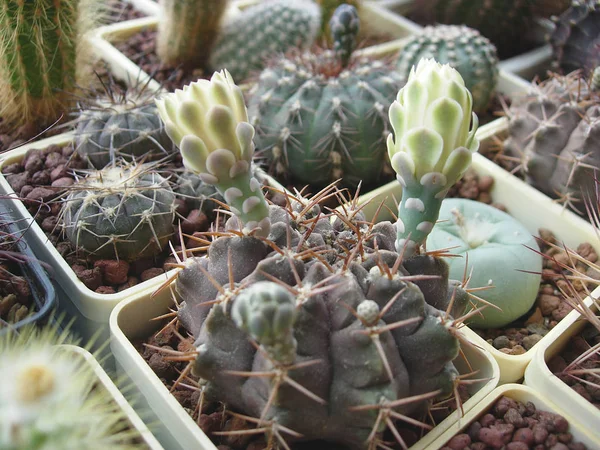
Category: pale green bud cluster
<point>432,145</point>
<point>208,121</point>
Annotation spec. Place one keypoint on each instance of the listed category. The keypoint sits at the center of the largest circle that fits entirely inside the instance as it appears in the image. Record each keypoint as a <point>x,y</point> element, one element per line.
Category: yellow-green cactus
<point>432,145</point>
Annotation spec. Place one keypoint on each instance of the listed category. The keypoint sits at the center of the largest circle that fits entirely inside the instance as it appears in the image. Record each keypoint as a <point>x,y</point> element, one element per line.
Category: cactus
<point>187,30</point>
<point>318,327</point>
<point>126,128</point>
<point>49,400</point>
<point>196,193</point>
<point>328,7</point>
<point>263,31</point>
<point>553,134</point>
<point>317,120</point>
<point>41,50</point>
<point>576,37</point>
<point>432,147</point>
<point>500,253</point>
<point>502,21</point>
<point>123,211</point>
<point>462,48</point>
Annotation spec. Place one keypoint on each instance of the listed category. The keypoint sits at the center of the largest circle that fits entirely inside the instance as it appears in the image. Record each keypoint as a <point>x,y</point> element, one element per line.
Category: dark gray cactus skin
<point>576,37</point>
<point>197,194</point>
<point>350,371</point>
<point>104,135</point>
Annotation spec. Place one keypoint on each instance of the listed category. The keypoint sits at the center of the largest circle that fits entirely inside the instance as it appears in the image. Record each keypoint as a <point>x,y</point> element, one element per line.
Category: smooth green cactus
<point>464,49</point>
<point>123,212</point>
<point>263,31</point>
<point>553,135</point>
<point>187,30</point>
<point>432,146</point>
<point>120,130</point>
<point>208,121</point>
<point>501,255</point>
<point>51,399</point>
<point>41,44</point>
<point>319,120</point>
<point>503,22</point>
<point>576,37</point>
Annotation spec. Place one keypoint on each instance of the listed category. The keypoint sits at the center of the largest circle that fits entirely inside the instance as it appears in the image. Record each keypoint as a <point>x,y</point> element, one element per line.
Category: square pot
<point>132,320</point>
<point>529,206</point>
<point>539,377</point>
<point>522,394</point>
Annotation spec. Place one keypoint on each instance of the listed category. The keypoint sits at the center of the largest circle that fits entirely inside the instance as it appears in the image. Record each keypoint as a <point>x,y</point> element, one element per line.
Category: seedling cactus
<point>187,29</point>
<point>124,212</point>
<point>317,327</point>
<point>41,47</point>
<point>321,116</point>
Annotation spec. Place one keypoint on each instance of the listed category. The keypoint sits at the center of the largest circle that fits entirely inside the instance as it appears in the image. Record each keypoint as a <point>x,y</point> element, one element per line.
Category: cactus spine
<point>40,43</point>
<point>187,30</point>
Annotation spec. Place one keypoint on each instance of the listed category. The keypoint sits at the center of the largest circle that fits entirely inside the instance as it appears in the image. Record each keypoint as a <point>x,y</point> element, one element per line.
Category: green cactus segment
<point>553,133</point>
<point>317,128</point>
<point>38,43</point>
<point>464,49</point>
<point>344,26</point>
<point>328,8</point>
<point>120,212</point>
<point>432,148</point>
<point>576,37</point>
<point>502,21</point>
<point>262,31</point>
<point>501,255</point>
<point>267,311</point>
<point>341,336</point>
<point>120,131</point>
<point>187,30</point>
<point>197,194</point>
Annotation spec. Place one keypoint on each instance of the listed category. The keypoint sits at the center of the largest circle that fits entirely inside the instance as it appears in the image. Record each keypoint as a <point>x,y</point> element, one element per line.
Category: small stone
<point>158,364</point>
<point>491,437</point>
<point>114,272</point>
<point>105,290</point>
<point>59,171</point>
<point>49,223</point>
<point>540,434</point>
<point>18,180</point>
<point>513,417</point>
<point>501,342</point>
<point>40,178</point>
<point>63,182</point>
<point>487,420</point>
<point>34,163</point>
<point>517,446</point>
<point>459,442</point>
<point>531,340</point>
<point>473,430</point>
<point>548,303</point>
<point>537,328</point>
<point>561,312</point>
<point>524,435</point>
<point>131,281</point>
<point>151,273</point>
<point>38,194</point>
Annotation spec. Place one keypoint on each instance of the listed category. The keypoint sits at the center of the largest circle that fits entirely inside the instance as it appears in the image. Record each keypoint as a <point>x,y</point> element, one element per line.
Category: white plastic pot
<point>522,394</point>
<point>529,206</point>
<point>90,309</point>
<point>106,383</point>
<point>539,377</point>
<point>132,320</point>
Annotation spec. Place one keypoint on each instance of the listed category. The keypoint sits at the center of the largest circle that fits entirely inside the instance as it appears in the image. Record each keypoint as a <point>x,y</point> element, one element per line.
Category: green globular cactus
<point>263,31</point>
<point>501,255</point>
<point>125,130</point>
<point>502,21</point>
<point>319,120</point>
<point>40,46</point>
<point>51,399</point>
<point>432,147</point>
<point>124,212</point>
<point>464,49</point>
<point>576,37</point>
<point>196,193</point>
<point>187,30</point>
<point>328,7</point>
<point>553,136</point>
<point>344,334</point>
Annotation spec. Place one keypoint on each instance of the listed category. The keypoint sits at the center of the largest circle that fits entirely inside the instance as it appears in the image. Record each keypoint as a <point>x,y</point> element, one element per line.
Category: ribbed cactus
<point>120,130</point>
<point>553,133</point>
<point>503,22</point>
<point>576,37</point>
<point>123,212</point>
<point>461,47</point>
<point>327,9</point>
<point>319,120</point>
<point>187,30</point>
<point>196,193</point>
<point>262,31</point>
<point>40,44</point>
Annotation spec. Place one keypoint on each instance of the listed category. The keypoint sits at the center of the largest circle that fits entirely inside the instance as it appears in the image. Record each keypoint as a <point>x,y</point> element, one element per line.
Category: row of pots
<point>127,316</point>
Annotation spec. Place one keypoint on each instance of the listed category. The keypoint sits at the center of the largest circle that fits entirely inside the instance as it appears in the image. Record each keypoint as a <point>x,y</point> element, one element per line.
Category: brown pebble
<point>58,172</point>
<point>196,220</point>
<point>459,442</point>
<point>49,223</point>
<point>105,290</point>
<point>40,178</point>
<point>540,434</point>
<point>491,437</point>
<point>34,163</point>
<point>548,303</point>
<point>131,281</point>
<point>38,194</point>
<point>63,182</point>
<point>210,423</point>
<point>487,420</point>
<point>18,180</point>
<point>524,435</point>
<point>114,272</point>
<point>517,446</point>
<point>92,278</point>
<point>513,417</point>
<point>158,364</point>
<point>151,273</point>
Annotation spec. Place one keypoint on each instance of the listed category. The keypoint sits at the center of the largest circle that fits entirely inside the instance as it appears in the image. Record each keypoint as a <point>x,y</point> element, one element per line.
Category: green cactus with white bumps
<point>41,46</point>
<point>321,116</point>
<point>260,32</point>
<point>431,148</point>
<point>208,121</point>
<point>464,49</point>
<point>187,30</point>
<point>120,130</point>
<point>123,211</point>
